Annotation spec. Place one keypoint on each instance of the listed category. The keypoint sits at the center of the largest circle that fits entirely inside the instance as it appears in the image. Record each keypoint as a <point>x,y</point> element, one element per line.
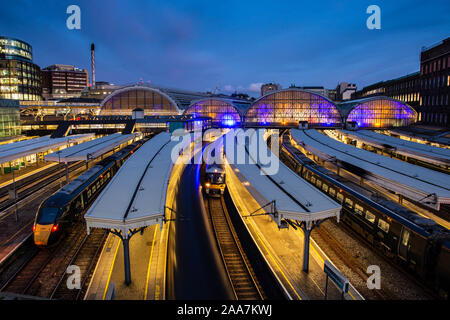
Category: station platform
<point>148,247</point>
<point>283,249</point>
<point>147,260</point>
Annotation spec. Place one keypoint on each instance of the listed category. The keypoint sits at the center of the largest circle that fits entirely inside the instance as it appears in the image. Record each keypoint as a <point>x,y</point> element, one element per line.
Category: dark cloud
<point>233,44</point>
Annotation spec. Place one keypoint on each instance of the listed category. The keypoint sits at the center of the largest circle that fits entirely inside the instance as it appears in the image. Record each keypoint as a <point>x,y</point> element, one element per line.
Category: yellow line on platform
<point>110,272</point>
<point>273,259</point>
<point>150,263</point>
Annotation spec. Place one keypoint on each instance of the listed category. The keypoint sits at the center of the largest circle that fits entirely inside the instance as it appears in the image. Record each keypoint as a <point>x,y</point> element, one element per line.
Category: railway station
<point>157,227</point>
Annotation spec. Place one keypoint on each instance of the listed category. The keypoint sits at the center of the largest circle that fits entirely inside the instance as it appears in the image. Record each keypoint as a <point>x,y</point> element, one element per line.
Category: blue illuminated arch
<point>288,107</point>
<point>223,112</point>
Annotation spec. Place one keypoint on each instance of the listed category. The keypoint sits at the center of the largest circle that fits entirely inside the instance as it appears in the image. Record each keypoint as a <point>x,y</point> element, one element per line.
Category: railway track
<point>35,184</point>
<point>12,231</point>
<point>85,258</point>
<point>321,235</point>
<point>43,274</point>
<point>240,272</point>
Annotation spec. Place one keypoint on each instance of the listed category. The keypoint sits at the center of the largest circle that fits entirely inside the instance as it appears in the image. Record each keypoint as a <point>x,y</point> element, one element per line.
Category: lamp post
<point>59,163</point>
<point>15,192</point>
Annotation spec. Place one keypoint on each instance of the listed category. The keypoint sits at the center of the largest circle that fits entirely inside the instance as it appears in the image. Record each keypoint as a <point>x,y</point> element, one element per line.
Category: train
<point>416,243</point>
<point>59,211</point>
<point>214,173</point>
<point>214,184</point>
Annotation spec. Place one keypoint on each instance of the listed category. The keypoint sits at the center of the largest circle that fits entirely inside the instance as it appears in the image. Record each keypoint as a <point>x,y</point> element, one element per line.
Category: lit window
<point>383,225</point>
<point>370,217</point>
<point>405,238</point>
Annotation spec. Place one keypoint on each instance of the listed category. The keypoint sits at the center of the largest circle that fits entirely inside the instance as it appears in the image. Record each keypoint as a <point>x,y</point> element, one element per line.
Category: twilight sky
<point>235,45</point>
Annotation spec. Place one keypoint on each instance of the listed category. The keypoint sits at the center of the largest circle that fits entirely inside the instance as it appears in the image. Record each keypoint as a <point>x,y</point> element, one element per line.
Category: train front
<point>215,179</point>
<point>45,228</point>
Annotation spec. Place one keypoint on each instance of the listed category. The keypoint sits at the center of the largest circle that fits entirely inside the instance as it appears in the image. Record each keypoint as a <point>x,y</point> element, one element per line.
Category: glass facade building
<point>378,112</point>
<point>223,112</point>
<point>9,118</point>
<point>20,78</point>
<point>290,106</point>
<point>152,101</point>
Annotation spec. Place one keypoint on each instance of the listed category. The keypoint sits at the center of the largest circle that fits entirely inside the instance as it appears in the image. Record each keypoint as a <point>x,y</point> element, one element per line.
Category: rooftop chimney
<point>93,63</point>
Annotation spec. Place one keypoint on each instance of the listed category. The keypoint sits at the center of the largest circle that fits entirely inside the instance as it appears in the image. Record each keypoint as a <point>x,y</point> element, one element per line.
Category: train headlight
<point>55,228</point>
<point>207,184</point>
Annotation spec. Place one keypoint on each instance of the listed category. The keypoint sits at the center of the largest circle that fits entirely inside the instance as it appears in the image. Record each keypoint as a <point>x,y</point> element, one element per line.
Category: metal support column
<point>15,193</point>
<point>307,233</point>
<point>126,250</point>
<point>126,260</point>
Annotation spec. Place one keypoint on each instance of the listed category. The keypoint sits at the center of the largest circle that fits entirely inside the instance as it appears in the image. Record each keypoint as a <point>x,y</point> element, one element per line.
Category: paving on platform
<point>146,268</point>
<point>283,248</point>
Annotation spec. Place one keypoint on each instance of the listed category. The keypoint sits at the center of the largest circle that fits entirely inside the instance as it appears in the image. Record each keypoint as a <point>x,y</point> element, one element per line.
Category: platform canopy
<point>293,197</point>
<point>92,149</point>
<point>20,149</point>
<point>136,196</point>
<point>414,182</point>
<point>408,148</point>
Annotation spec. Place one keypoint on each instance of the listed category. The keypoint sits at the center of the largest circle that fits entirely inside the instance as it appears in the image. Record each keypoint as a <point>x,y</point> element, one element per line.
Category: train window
<point>318,183</point>
<point>349,202</point>
<point>370,217</point>
<point>383,225</point>
<point>332,192</point>
<point>359,209</point>
<point>89,193</point>
<point>93,189</point>
<point>98,184</point>
<point>313,179</point>
<point>340,197</point>
<point>325,187</point>
<point>405,238</point>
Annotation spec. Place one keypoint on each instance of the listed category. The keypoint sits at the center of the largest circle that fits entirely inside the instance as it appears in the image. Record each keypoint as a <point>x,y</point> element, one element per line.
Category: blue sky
<point>199,45</point>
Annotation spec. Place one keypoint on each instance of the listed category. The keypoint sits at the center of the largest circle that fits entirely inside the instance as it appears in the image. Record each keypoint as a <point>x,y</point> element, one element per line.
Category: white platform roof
<point>418,150</point>
<point>412,181</point>
<point>17,150</point>
<point>296,199</point>
<point>136,195</point>
<point>91,149</point>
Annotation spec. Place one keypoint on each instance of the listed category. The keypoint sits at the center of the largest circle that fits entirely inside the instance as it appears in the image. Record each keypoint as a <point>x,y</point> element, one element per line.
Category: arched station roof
<point>378,112</point>
<point>153,101</point>
<point>224,112</point>
<point>288,107</point>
